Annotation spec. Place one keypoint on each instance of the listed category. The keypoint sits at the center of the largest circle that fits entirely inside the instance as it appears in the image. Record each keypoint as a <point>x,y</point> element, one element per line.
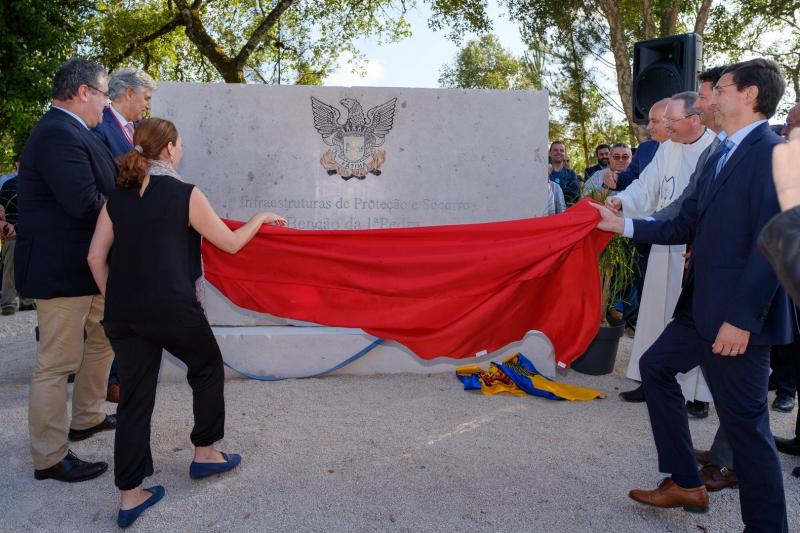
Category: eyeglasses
<point>104,93</point>
<point>620,157</point>
<point>670,120</point>
<point>717,87</point>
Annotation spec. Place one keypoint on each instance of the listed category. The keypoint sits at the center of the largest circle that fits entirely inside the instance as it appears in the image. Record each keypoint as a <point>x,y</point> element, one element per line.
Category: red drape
<point>449,291</point>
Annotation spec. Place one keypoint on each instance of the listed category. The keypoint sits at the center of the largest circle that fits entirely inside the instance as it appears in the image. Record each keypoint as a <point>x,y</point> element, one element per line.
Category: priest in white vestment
<point>659,184</point>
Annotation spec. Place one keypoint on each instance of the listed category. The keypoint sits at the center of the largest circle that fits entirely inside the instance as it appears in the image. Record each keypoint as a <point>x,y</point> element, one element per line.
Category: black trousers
<point>739,388</point>
<point>783,360</point>
<point>138,347</point>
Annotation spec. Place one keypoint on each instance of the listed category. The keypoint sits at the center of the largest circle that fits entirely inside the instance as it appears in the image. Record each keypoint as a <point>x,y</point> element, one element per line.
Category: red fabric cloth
<point>441,291</point>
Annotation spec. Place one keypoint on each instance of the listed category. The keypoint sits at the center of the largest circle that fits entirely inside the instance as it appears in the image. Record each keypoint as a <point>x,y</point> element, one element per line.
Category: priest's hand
<point>614,203</point>
<point>609,221</point>
<point>731,340</point>
<point>786,171</point>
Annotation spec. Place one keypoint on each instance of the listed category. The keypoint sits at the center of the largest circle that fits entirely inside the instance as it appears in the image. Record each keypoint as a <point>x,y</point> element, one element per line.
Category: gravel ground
<point>380,453</point>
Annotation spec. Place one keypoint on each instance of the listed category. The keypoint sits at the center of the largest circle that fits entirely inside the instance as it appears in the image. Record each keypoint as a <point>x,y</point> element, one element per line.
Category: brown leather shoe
<point>112,394</point>
<point>718,477</point>
<point>668,495</point>
<point>703,457</point>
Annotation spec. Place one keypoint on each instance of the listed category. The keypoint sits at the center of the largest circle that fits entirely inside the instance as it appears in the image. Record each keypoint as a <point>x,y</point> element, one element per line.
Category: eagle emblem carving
<point>353,144</point>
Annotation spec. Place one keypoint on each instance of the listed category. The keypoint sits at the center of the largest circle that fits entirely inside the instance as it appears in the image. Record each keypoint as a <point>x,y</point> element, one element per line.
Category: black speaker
<point>663,67</point>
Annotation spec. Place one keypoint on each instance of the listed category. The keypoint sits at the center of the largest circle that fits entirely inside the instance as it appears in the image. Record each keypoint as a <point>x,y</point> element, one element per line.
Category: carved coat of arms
<point>353,152</point>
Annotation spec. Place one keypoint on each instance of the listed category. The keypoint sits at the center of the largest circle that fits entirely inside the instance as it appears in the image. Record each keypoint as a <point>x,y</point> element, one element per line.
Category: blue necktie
<point>723,155</point>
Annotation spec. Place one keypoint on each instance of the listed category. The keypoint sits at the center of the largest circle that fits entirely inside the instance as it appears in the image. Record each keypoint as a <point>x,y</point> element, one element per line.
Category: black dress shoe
<point>635,395</point>
<point>788,446</point>
<point>72,470</point>
<point>79,434</point>
<point>783,403</point>
<point>697,409</point>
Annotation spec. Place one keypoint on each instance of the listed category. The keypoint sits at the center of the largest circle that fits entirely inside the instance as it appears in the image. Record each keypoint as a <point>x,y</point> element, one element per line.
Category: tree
<point>257,40</point>
<point>262,41</point>
<point>484,64</point>
<point>38,36</point>
<point>611,26</point>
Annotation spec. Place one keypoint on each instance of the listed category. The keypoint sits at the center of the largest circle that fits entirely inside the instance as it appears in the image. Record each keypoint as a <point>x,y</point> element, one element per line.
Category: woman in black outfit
<point>155,221</point>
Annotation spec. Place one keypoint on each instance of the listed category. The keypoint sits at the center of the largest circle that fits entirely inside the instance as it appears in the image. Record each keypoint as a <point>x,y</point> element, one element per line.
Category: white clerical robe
<point>661,182</point>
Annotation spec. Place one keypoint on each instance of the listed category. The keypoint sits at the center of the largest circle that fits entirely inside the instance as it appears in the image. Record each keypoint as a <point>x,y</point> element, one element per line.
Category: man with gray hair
<point>64,178</point>
<point>130,91</point>
<point>659,184</point>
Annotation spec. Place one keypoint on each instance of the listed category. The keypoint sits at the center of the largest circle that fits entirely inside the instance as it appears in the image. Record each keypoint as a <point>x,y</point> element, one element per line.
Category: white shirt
<point>70,113</point>
<point>663,180</point>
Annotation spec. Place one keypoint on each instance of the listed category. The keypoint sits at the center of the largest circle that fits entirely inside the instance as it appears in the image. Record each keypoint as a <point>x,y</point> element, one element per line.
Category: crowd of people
<point>713,314</point>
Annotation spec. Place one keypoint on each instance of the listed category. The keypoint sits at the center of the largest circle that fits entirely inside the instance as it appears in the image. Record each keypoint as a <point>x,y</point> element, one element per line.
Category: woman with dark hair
<point>155,221</point>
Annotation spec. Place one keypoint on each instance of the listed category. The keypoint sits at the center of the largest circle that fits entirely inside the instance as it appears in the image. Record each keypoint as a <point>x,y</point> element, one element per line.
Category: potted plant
<point>617,266</point>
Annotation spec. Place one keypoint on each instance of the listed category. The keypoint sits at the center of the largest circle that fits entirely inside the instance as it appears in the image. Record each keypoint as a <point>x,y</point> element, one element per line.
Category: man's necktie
<point>129,130</point>
<point>727,146</point>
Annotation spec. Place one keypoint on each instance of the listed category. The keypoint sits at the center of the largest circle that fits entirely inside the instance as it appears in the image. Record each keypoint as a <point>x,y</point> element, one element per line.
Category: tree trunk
<point>649,19</point>
<point>702,17</point>
<point>669,19</point>
<point>622,60</point>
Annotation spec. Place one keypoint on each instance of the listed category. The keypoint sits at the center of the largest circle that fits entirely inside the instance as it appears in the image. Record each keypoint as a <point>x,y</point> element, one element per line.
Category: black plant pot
<point>599,358</point>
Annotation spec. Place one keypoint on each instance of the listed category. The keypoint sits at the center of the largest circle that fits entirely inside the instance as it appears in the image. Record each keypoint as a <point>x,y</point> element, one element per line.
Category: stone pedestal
<point>355,158</point>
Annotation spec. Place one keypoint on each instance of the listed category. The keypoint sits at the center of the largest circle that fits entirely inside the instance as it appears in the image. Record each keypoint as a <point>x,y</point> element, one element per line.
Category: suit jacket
<point>672,210</point>
<point>728,278</point>
<point>591,170</point>
<point>64,176</point>
<point>644,154</point>
<point>780,243</point>
<point>111,134</point>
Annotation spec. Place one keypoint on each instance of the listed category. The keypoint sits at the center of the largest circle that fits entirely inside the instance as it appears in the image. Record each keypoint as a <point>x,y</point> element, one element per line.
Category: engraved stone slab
<point>354,158</point>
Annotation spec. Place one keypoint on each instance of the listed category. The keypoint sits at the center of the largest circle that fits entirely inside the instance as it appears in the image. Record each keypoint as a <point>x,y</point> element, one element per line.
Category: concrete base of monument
<point>296,352</point>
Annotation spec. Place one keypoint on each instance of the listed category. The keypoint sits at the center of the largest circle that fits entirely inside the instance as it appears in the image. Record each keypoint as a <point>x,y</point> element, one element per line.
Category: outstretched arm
<point>205,220</point>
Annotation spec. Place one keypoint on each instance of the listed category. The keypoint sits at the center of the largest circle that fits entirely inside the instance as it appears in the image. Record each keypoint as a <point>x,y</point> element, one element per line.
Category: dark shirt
<point>156,255</point>
<point>8,199</point>
<point>568,181</point>
<point>592,170</point>
<point>641,158</point>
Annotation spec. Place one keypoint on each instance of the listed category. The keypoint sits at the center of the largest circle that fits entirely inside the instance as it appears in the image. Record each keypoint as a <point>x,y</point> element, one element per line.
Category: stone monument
<point>355,158</point>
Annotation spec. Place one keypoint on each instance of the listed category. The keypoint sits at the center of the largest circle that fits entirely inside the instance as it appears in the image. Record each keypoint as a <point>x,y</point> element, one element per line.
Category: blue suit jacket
<point>644,154</point>
<point>111,134</point>
<point>65,174</point>
<point>729,280</point>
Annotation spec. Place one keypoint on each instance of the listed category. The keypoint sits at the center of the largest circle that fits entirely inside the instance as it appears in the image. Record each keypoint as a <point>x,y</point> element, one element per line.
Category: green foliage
<point>261,41</point>
<point>483,63</point>
<point>301,45</point>
<point>617,265</point>
<point>38,36</point>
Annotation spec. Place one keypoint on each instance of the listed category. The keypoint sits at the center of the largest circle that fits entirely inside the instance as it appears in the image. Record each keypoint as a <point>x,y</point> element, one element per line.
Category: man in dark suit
<point>130,91</point>
<point>65,175</point>
<point>731,308</point>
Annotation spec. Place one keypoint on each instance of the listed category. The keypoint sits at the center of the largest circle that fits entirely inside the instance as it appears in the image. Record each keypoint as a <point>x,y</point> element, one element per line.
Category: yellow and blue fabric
<point>518,376</point>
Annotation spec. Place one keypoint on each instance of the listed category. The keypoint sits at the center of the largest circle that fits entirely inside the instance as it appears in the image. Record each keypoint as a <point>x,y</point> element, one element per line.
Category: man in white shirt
<point>661,182</point>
